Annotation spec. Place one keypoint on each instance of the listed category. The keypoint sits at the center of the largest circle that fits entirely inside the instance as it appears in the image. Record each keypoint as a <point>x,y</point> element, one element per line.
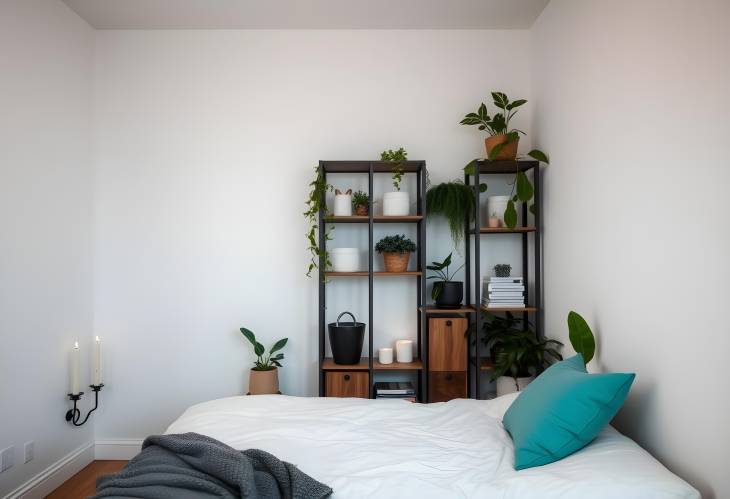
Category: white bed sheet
<point>395,449</point>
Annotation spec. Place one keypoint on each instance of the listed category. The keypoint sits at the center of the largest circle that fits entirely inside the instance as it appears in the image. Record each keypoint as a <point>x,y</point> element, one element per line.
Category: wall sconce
<point>74,415</point>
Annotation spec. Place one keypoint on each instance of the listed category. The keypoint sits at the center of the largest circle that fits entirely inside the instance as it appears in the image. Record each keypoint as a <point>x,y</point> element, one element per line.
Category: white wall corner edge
<point>122,449</point>
<point>52,477</point>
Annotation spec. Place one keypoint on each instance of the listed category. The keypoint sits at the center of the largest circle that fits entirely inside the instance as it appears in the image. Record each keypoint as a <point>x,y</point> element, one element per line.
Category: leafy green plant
<point>502,269</point>
<point>397,158</point>
<point>264,361</point>
<point>317,200</point>
<point>360,198</point>
<point>581,336</point>
<point>395,244</point>
<point>456,202</point>
<point>442,272</point>
<point>514,347</point>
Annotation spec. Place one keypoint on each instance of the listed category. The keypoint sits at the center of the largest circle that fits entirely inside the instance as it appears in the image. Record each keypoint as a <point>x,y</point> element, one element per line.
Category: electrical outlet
<point>29,450</point>
<point>7,458</point>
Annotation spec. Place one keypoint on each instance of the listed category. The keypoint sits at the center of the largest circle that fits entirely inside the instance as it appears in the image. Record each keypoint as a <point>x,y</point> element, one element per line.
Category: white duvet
<point>395,449</point>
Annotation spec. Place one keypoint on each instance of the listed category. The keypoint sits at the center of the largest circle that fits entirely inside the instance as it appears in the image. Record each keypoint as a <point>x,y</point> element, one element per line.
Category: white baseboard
<point>49,479</point>
<point>117,449</point>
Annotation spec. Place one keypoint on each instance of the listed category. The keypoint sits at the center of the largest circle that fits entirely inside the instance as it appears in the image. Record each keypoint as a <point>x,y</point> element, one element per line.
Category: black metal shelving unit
<point>473,237</point>
<point>325,277</point>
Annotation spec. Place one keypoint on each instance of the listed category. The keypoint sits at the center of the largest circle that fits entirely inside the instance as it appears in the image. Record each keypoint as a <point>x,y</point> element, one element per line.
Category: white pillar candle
<point>404,350</point>
<point>385,355</point>
<point>96,363</point>
<point>75,363</point>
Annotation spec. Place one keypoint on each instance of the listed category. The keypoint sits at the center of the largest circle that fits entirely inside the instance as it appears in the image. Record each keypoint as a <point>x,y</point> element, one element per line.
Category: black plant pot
<point>451,295</point>
<point>346,340</point>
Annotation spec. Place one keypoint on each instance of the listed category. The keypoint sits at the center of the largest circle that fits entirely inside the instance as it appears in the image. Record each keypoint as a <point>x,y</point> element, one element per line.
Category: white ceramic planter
<point>508,384</point>
<point>496,206</point>
<point>396,204</point>
<point>343,205</point>
<point>345,259</point>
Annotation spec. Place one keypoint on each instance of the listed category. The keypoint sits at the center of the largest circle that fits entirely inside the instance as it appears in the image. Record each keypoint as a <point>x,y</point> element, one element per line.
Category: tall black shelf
<point>474,234</point>
<point>371,168</point>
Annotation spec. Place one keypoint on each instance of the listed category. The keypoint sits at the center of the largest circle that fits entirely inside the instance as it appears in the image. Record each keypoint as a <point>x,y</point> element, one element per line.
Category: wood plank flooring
<point>83,483</point>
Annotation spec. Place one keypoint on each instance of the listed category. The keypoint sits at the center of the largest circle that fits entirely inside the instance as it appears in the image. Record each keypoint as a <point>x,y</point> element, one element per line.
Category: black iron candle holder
<point>74,415</point>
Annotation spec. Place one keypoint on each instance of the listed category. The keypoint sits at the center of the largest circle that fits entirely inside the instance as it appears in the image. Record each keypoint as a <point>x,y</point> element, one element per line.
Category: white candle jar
<point>385,355</point>
<point>345,259</point>
<point>404,351</point>
<point>343,204</point>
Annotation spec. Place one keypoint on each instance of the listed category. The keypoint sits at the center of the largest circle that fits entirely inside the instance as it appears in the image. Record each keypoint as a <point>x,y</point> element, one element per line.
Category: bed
<point>396,449</point>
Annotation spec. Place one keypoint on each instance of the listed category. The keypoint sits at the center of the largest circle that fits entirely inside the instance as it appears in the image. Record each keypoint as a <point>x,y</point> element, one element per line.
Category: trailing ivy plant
<point>397,158</point>
<point>317,200</point>
<point>456,202</point>
<point>522,189</point>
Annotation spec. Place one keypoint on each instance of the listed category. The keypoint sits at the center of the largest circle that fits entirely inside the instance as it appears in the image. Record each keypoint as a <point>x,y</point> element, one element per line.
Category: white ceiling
<point>308,14</point>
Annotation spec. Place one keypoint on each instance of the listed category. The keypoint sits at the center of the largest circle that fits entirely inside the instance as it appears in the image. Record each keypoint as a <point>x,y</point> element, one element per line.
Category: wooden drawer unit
<point>447,344</point>
<point>446,385</point>
<point>347,384</point>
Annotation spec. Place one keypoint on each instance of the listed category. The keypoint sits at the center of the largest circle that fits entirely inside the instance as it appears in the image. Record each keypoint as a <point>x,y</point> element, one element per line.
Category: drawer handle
<point>449,377</point>
<point>347,377</point>
<point>448,323</point>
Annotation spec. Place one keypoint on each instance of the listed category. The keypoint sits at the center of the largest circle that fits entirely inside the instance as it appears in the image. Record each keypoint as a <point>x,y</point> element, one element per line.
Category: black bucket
<point>346,339</point>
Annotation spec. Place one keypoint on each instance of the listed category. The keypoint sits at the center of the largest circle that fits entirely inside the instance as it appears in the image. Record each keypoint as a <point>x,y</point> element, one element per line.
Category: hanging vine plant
<point>317,200</point>
<point>456,202</point>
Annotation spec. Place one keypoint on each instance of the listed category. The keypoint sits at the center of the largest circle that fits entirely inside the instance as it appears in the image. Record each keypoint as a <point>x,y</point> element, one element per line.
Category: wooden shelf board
<point>364,273</point>
<point>506,230</point>
<point>509,309</point>
<point>328,364</point>
<point>416,365</point>
<point>432,310</point>
<point>356,219</point>
<point>393,274</point>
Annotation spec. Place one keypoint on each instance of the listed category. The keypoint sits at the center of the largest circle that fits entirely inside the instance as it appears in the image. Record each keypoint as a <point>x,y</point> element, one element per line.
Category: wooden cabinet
<point>447,358</point>
<point>347,384</point>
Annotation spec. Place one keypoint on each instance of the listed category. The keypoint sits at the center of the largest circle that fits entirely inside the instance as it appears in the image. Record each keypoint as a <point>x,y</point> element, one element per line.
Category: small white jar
<point>345,259</point>
<point>343,204</point>
<point>385,355</point>
<point>404,351</point>
<point>396,204</point>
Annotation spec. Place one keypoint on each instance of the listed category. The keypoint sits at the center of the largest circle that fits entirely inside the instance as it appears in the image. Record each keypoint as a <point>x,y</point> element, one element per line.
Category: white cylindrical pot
<point>345,259</point>
<point>385,355</point>
<point>496,206</point>
<point>508,384</point>
<point>396,204</point>
<point>404,351</point>
<point>343,205</point>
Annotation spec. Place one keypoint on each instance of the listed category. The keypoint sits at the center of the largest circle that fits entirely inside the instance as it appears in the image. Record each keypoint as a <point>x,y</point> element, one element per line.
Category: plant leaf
<point>581,336</point>
<point>539,155</point>
<point>500,100</point>
<point>510,215</point>
<point>482,187</point>
<point>515,104</point>
<point>524,187</point>
<point>259,349</point>
<point>436,290</point>
<point>279,345</point>
<point>471,167</point>
<point>482,112</point>
<point>496,150</point>
<point>249,335</point>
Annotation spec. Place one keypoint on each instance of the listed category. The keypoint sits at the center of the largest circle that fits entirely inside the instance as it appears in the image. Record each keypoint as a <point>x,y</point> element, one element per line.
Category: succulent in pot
<point>396,203</point>
<point>264,375</point>
<point>396,251</point>
<point>502,270</point>
<point>446,292</point>
<point>361,203</point>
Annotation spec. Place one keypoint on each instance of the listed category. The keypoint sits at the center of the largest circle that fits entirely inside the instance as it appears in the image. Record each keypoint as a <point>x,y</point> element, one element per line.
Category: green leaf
<point>471,167</point>
<point>436,290</point>
<point>470,121</point>
<point>259,349</point>
<point>496,150</point>
<point>533,209</point>
<point>482,187</point>
<point>249,335</point>
<point>524,187</point>
<point>513,136</point>
<point>581,336</point>
<point>500,100</point>
<point>539,155</point>
<point>515,104</point>
<point>279,345</point>
<point>510,215</point>
<point>482,112</point>
<point>447,260</point>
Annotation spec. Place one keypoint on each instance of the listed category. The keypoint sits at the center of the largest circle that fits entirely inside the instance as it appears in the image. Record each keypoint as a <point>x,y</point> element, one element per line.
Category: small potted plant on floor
<point>396,203</point>
<point>516,352</point>
<point>396,251</point>
<point>446,292</point>
<point>361,203</point>
<point>264,375</point>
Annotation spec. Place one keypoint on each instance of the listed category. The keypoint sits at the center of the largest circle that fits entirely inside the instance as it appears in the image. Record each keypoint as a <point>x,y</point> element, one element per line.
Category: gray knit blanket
<point>193,466</point>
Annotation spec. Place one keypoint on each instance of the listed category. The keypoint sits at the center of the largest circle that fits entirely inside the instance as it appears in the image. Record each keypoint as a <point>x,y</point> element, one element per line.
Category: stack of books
<point>394,390</point>
<point>503,292</point>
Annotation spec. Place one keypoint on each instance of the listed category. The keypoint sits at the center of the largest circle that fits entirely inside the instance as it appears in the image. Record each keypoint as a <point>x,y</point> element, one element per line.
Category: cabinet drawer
<point>446,385</point>
<point>347,384</point>
<point>447,344</point>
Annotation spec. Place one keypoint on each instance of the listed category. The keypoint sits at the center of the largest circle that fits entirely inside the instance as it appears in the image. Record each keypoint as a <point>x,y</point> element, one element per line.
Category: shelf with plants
<point>394,248</point>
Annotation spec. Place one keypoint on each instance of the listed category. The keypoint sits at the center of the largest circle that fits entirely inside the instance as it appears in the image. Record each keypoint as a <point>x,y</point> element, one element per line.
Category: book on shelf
<point>506,279</point>
<point>394,389</point>
<point>492,304</point>
<point>506,287</point>
<point>510,294</point>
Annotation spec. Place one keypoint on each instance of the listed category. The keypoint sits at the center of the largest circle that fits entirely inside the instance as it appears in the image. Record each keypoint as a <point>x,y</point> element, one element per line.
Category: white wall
<point>205,145</point>
<point>46,182</point>
<point>633,104</point>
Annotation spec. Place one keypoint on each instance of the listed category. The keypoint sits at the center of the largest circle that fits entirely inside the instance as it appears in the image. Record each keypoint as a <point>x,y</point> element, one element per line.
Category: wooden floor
<point>83,483</point>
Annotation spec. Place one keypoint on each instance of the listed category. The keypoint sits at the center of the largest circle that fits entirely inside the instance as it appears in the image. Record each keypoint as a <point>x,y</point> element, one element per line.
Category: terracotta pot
<point>361,210</point>
<point>508,152</point>
<point>396,262</point>
<point>263,382</point>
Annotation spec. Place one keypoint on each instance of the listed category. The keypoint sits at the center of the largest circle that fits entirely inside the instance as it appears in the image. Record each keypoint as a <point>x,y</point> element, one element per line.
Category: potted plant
<point>456,202</point>
<point>396,203</point>
<point>396,251</point>
<point>516,352</point>
<point>502,270</point>
<point>264,375</point>
<point>361,203</point>
<point>446,292</point>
